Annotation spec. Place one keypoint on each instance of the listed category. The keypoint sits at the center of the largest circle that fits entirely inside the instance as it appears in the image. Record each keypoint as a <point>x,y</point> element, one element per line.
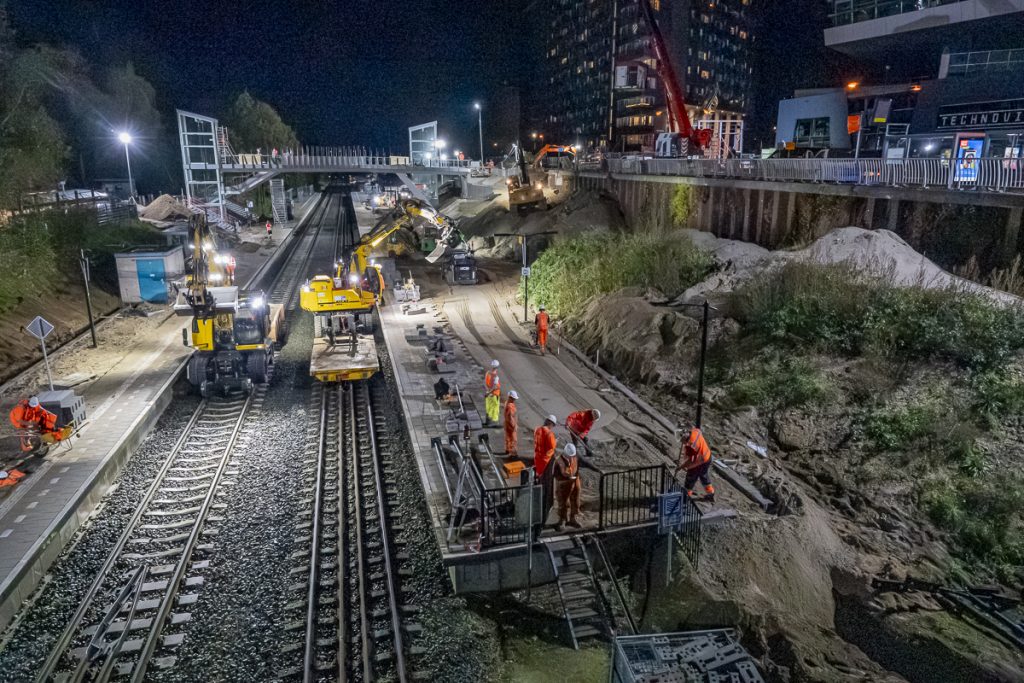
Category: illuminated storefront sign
<point>982,115</point>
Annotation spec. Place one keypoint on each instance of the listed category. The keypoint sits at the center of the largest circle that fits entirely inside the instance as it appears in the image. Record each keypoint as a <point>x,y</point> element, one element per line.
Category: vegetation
<point>569,272</point>
<point>682,205</point>
<point>55,108</point>
<point>778,382</point>
<point>840,309</point>
<point>32,248</point>
<point>255,124</point>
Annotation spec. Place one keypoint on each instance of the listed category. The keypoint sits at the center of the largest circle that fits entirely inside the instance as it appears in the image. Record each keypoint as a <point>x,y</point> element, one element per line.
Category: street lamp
<point>522,239</point>
<point>706,308</point>
<point>480,124</point>
<point>126,139</point>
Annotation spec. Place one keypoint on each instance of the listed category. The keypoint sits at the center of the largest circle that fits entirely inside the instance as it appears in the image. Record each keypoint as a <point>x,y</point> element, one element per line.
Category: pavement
<point>484,326</point>
<point>126,383</point>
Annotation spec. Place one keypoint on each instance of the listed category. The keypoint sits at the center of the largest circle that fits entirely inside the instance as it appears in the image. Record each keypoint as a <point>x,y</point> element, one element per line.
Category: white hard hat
<point>596,413</point>
<point>34,402</point>
<point>569,450</point>
<point>495,363</point>
<point>552,419</point>
<point>543,307</point>
<point>513,394</point>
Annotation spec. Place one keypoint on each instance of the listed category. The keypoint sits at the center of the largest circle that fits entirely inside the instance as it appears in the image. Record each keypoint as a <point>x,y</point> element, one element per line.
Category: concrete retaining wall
<point>946,225</point>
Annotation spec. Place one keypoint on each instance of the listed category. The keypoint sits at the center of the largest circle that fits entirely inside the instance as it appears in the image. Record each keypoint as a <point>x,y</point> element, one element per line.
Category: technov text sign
<point>982,115</point>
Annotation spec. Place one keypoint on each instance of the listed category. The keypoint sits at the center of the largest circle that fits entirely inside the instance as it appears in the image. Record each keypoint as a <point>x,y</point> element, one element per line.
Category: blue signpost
<point>670,518</point>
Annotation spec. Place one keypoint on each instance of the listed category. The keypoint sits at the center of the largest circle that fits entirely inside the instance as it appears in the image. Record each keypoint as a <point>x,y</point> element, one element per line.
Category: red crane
<point>697,139</point>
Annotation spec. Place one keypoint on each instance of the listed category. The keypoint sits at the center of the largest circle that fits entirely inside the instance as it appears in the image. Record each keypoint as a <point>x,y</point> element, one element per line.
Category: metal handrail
<point>985,174</point>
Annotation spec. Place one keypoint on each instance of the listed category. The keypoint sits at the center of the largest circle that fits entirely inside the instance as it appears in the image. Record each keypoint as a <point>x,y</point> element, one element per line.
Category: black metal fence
<point>506,516</point>
<point>625,498</point>
<point>630,497</point>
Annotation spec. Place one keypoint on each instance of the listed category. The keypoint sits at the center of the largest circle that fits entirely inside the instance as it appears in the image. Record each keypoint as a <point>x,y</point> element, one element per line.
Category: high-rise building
<point>602,84</point>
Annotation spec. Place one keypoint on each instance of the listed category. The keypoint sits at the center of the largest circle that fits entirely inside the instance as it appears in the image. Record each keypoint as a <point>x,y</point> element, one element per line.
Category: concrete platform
<point>480,328</point>
<point>131,385</point>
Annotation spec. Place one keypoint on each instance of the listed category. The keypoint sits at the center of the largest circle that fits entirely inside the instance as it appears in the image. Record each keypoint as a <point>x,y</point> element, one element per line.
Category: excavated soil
<point>797,579</point>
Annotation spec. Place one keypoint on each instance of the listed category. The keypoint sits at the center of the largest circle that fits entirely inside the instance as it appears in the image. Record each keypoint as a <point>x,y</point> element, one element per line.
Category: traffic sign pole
<point>46,362</point>
<point>40,329</point>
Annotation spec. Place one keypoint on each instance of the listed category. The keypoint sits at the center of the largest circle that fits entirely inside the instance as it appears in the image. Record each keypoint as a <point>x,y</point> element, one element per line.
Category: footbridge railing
<point>989,174</point>
<point>340,158</point>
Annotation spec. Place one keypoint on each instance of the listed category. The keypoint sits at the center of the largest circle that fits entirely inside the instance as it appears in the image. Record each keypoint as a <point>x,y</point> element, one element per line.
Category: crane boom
<point>679,120</point>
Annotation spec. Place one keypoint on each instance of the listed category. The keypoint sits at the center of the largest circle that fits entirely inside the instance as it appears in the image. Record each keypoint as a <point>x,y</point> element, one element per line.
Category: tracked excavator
<point>524,193</point>
<point>233,332</point>
<point>343,304</point>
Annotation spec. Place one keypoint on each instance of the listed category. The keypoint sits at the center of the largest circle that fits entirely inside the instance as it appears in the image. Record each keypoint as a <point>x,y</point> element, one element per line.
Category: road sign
<point>670,511</point>
<point>526,271</point>
<point>39,328</point>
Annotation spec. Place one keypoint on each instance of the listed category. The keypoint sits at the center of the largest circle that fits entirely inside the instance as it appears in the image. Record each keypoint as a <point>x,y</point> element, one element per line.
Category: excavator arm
<point>208,288</point>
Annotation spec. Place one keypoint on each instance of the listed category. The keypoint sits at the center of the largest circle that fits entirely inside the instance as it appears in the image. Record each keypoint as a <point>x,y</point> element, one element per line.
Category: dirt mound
<point>585,211</point>
<point>164,208</point>
<point>879,252</point>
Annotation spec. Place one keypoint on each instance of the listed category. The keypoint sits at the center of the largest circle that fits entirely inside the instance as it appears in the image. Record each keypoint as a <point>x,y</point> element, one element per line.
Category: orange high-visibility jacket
<point>580,422</point>
<point>696,451</point>
<point>544,445</point>
<point>493,383</point>
<point>24,416</point>
<point>542,321</point>
<point>511,419</point>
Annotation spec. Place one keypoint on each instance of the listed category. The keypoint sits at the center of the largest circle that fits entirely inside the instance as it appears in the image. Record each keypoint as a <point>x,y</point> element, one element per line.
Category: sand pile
<point>163,209</point>
<point>879,252</point>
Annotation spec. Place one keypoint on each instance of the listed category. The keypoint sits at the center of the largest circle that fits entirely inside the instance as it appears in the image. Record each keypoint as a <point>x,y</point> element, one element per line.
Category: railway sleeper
<point>138,624</point>
<point>381,633</point>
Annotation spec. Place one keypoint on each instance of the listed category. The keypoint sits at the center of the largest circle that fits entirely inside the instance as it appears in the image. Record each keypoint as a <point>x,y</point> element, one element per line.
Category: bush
<point>997,394</point>
<point>39,251</point>
<point>837,308</point>
<point>984,514</point>
<point>778,383</point>
<point>895,427</point>
<point>571,271</point>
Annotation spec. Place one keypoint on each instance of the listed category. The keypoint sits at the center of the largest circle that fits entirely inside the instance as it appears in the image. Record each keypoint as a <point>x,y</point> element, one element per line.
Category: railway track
<point>348,614</point>
<point>133,616</point>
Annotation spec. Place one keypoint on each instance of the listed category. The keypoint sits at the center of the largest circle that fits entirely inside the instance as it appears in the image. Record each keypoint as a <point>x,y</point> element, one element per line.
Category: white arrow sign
<point>39,328</point>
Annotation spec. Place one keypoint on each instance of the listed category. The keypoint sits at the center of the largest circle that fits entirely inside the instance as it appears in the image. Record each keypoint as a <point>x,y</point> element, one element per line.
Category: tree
<point>255,124</point>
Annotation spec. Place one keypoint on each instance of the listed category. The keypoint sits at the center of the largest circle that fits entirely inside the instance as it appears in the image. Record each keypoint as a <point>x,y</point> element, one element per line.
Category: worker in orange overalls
<point>695,458</point>
<point>542,320</point>
<point>544,446</point>
<point>511,425</point>
<point>568,487</point>
<point>579,425</point>
<point>32,420</point>
<point>492,394</point>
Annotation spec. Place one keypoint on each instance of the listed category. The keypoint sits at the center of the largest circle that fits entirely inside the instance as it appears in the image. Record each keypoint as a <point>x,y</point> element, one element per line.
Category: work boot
<point>710,498</point>
<point>574,524</point>
<point>560,527</point>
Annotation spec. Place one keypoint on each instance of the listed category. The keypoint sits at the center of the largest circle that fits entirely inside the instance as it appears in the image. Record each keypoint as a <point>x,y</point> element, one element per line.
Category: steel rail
<point>391,580</point>
<point>69,632</point>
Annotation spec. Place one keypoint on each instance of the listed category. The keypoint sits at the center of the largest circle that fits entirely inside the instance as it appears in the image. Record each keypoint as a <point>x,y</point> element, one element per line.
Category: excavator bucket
<point>438,251</point>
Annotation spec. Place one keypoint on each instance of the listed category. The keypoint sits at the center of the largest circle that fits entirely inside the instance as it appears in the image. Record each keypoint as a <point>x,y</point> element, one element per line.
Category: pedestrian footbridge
<point>215,172</point>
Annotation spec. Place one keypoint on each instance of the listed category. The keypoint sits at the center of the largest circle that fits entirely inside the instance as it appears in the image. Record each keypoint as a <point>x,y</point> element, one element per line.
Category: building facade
<point>602,77</point>
<point>942,78</point>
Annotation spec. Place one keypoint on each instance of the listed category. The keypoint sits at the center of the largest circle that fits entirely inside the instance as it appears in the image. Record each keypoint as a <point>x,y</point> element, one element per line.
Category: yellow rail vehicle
<point>233,332</point>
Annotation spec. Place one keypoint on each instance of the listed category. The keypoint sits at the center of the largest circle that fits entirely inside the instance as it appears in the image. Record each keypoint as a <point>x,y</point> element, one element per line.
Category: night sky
<point>342,72</point>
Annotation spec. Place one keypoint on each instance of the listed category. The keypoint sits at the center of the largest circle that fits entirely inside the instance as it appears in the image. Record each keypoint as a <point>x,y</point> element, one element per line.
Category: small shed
<point>146,275</point>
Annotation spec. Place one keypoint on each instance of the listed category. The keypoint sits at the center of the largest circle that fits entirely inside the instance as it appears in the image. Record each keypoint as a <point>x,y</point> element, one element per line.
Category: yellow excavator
<point>233,332</point>
<point>342,304</point>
